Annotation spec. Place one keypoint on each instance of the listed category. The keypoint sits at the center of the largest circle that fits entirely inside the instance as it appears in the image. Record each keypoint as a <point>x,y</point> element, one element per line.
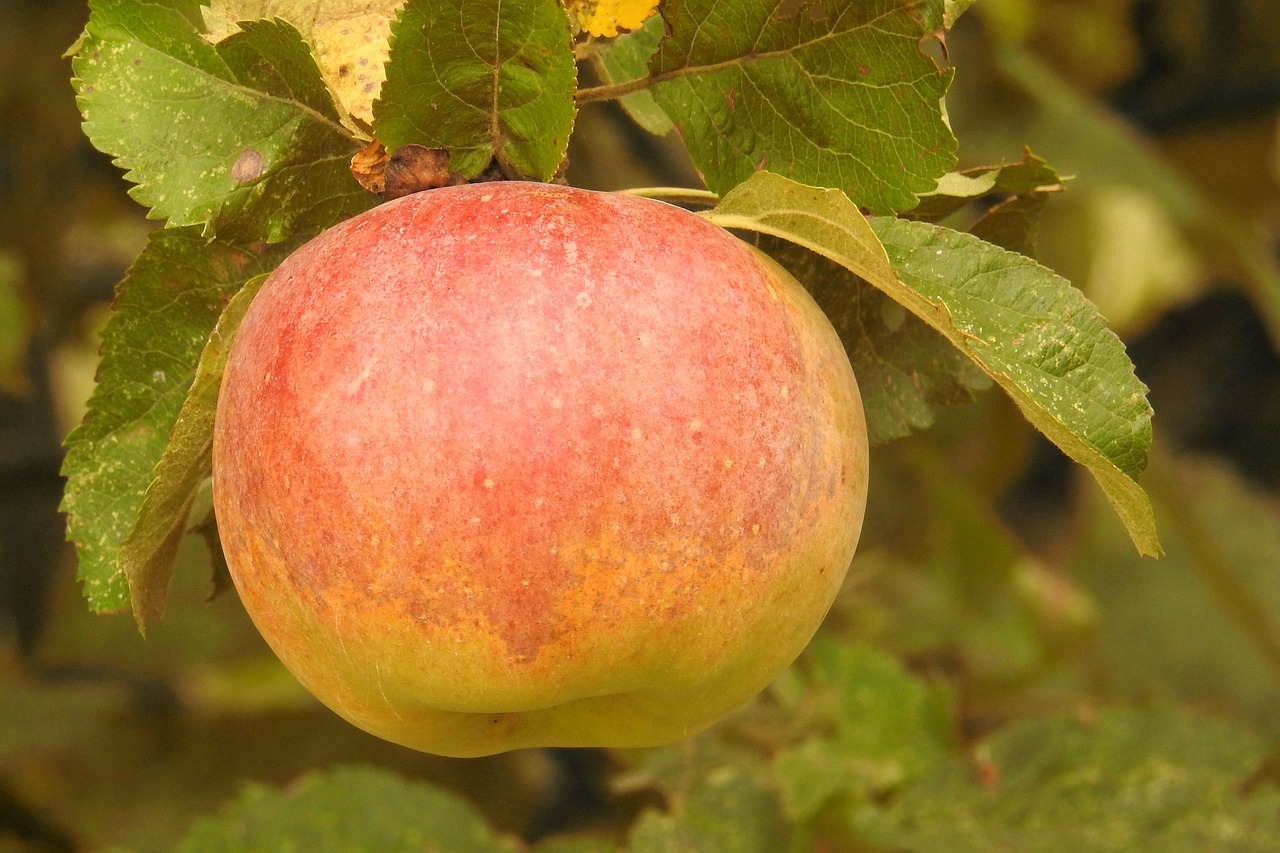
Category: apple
<point>513,464</point>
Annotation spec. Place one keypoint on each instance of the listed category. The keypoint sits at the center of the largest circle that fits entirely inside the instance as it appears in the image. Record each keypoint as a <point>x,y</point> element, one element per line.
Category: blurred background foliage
<point>989,567</point>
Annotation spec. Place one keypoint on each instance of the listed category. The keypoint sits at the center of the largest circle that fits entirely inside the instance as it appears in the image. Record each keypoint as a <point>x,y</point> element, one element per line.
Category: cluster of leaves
<point>868,760</point>
<point>237,124</point>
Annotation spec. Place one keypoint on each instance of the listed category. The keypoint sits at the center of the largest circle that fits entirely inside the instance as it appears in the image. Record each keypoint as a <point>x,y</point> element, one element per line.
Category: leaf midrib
<point>235,85</point>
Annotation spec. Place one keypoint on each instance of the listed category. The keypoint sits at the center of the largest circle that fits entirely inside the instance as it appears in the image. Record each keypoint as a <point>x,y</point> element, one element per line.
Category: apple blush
<point>513,464</point>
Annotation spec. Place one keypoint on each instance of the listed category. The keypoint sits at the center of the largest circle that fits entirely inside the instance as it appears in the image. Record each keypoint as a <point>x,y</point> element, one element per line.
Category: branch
<point>612,91</point>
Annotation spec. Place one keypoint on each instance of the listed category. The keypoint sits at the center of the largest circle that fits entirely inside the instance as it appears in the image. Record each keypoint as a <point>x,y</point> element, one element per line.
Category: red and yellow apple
<point>515,464</point>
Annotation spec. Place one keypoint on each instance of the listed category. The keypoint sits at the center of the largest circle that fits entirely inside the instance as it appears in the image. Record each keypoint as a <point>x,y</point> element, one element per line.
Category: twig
<point>610,91</point>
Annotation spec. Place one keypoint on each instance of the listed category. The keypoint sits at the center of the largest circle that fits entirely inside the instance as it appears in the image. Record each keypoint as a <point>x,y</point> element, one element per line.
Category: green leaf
<point>1134,779</point>
<point>485,80</point>
<point>165,310</point>
<point>725,809</point>
<point>905,369</point>
<point>833,94</point>
<point>1018,192</point>
<point>1024,326</point>
<point>882,729</point>
<point>626,58</point>
<point>717,792</point>
<point>219,571</point>
<point>241,137</point>
<point>1045,344</point>
<point>351,809</point>
<point>147,553</point>
<point>1011,224</point>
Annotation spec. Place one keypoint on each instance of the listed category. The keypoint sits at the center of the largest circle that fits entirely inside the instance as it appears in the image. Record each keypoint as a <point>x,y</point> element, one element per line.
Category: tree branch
<point>612,91</point>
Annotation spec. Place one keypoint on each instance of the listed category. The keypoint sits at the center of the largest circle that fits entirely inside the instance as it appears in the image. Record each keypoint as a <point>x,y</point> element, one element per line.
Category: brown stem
<point>611,91</point>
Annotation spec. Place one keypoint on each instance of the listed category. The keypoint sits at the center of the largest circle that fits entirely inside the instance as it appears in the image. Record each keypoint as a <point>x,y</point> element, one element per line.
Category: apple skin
<point>513,464</point>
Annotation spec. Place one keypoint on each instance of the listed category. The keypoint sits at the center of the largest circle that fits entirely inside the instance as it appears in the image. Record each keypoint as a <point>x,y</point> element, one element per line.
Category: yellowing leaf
<point>607,18</point>
<point>349,38</point>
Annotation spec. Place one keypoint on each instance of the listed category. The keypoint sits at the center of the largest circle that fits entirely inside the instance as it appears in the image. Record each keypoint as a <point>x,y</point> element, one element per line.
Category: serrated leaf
<point>349,38</point>
<point>608,18</point>
<point>882,729</point>
<point>626,58</point>
<point>905,369</point>
<point>148,552</point>
<point>242,137</point>
<point>1046,345</point>
<point>352,809</point>
<point>1024,326</point>
<point>1134,779</point>
<point>484,80</point>
<point>165,309</point>
<point>833,94</point>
